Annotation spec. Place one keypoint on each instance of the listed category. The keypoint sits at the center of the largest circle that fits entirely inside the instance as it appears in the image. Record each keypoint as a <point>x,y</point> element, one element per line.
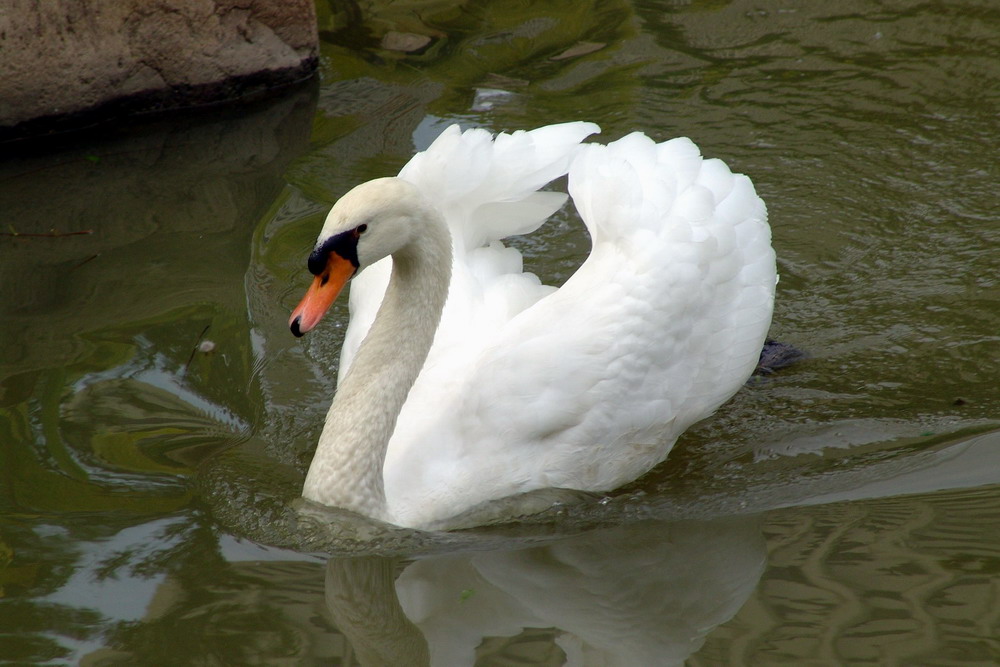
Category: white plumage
<point>526,386</point>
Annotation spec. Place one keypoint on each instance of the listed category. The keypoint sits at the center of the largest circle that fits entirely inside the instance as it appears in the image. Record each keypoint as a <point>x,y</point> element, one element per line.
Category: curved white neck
<point>346,470</point>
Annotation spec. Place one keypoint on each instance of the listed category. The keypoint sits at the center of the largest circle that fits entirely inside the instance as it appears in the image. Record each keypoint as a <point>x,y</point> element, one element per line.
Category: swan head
<point>372,221</point>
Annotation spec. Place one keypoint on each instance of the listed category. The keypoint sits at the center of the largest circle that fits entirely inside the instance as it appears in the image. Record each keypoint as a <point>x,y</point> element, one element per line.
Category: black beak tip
<point>294,326</point>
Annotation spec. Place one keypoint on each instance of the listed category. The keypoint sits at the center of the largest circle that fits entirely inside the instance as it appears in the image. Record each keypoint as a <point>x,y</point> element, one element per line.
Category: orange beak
<point>321,294</point>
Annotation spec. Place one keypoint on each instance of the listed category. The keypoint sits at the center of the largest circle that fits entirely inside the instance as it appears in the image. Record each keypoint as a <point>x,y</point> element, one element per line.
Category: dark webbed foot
<point>775,356</point>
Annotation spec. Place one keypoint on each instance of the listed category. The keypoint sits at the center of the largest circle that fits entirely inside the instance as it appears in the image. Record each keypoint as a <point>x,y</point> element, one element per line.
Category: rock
<point>406,42</point>
<point>68,63</point>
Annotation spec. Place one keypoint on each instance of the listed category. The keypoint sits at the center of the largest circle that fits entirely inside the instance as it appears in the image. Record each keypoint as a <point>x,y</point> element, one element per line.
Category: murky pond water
<point>845,510</point>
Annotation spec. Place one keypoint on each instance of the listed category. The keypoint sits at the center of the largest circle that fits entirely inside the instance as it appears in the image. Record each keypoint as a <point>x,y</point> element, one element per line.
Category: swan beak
<point>321,294</point>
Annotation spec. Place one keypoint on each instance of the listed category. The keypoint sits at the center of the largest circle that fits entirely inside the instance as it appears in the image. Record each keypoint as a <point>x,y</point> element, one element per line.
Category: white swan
<point>516,386</point>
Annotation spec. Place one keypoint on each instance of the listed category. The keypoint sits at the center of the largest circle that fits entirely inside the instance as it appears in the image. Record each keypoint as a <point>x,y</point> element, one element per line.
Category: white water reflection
<point>643,594</point>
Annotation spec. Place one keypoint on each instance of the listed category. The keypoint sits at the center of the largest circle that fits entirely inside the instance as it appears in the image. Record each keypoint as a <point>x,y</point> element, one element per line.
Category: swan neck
<point>347,468</point>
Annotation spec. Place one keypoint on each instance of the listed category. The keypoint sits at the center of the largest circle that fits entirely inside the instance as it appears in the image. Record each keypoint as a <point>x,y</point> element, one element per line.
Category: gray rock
<point>67,63</point>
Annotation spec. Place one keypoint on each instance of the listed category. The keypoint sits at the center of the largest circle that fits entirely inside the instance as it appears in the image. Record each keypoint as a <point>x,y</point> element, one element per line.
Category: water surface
<point>844,510</point>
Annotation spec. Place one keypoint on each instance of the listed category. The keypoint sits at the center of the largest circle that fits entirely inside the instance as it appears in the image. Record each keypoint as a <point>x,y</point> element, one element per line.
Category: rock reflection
<point>642,594</point>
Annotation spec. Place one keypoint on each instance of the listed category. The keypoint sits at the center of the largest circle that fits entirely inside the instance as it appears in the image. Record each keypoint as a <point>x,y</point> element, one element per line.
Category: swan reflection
<point>642,594</point>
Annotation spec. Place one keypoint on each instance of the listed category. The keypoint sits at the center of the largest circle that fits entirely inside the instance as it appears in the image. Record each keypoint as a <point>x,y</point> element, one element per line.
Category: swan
<point>464,380</point>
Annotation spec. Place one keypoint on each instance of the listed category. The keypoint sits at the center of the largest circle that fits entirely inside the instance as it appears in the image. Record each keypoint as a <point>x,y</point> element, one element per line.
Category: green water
<point>845,510</point>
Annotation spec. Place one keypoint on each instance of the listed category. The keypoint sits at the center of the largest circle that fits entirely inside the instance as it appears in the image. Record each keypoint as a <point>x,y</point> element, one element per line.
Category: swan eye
<point>344,244</point>
<point>362,229</point>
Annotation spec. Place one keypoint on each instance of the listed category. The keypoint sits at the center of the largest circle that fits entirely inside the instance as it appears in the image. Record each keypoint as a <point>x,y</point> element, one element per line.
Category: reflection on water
<point>643,594</point>
<point>100,331</point>
<point>134,466</point>
<point>904,580</point>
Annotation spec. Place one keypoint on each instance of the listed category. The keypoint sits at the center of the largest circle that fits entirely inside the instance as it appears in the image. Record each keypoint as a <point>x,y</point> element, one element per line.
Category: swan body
<point>464,379</point>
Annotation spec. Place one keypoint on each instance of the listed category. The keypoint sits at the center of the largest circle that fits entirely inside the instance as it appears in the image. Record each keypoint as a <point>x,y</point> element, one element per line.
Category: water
<point>843,510</point>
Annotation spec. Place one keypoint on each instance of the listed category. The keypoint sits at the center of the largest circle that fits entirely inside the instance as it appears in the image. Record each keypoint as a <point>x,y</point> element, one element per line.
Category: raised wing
<point>589,387</point>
